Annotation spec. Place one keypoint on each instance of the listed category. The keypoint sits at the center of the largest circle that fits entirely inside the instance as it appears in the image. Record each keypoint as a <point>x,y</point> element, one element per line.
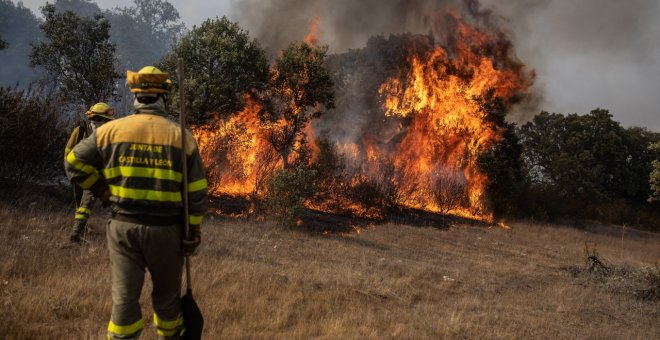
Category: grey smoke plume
<point>587,53</point>
<point>591,53</point>
<point>348,24</point>
<point>344,24</point>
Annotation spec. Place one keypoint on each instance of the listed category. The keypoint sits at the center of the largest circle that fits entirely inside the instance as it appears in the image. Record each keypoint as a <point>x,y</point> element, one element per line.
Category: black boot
<point>78,229</point>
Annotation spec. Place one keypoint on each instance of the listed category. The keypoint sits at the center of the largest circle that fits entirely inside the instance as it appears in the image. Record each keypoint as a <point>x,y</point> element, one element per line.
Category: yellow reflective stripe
<point>126,330</point>
<point>197,185</point>
<point>195,219</point>
<point>149,195</point>
<point>83,210</point>
<point>168,332</point>
<point>90,180</point>
<point>66,151</point>
<point>80,217</point>
<point>130,171</point>
<point>71,159</point>
<point>167,325</point>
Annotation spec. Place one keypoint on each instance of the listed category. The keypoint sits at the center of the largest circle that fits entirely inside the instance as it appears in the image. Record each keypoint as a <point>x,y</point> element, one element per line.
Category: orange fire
<point>312,34</point>
<point>440,129</point>
<point>434,165</point>
<point>237,155</point>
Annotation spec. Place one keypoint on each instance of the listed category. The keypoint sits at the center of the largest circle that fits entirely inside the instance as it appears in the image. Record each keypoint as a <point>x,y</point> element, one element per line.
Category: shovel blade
<point>192,317</point>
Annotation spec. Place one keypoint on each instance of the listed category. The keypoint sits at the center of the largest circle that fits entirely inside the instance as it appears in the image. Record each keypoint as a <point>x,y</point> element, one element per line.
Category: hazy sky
<point>587,53</point>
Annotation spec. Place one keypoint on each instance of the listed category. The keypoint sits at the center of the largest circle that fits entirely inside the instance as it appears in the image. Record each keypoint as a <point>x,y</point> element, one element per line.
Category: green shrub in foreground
<point>288,189</point>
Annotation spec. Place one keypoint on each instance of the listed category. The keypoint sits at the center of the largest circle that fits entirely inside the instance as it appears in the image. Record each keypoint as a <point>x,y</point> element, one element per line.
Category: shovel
<point>193,319</point>
<point>192,316</point>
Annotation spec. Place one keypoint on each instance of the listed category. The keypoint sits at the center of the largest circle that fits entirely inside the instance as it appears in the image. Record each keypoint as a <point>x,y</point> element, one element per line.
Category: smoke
<point>590,53</point>
<point>587,54</point>
<point>344,24</point>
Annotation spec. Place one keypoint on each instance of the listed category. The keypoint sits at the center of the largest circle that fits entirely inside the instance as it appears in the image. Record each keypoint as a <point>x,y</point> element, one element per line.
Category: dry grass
<point>255,280</point>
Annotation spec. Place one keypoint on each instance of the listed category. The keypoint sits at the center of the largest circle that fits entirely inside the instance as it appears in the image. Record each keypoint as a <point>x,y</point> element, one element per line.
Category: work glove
<point>105,198</point>
<point>190,243</point>
<point>101,191</point>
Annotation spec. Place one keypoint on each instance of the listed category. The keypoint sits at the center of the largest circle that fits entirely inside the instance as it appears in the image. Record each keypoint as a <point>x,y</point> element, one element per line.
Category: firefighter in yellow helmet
<point>134,163</point>
<point>97,115</point>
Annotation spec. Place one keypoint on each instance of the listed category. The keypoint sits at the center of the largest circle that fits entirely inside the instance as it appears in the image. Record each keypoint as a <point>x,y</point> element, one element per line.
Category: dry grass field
<point>253,279</point>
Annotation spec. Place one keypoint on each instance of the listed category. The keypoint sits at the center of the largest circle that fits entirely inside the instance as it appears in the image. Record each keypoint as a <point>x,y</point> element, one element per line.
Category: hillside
<point>256,280</point>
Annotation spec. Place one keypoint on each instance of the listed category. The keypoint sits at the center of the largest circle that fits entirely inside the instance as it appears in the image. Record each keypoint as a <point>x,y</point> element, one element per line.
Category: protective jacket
<point>139,156</point>
<point>79,133</point>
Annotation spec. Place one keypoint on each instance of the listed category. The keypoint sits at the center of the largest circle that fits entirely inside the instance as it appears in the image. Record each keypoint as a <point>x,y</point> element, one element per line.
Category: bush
<point>368,194</point>
<point>288,190</point>
<point>450,190</point>
<point>32,135</point>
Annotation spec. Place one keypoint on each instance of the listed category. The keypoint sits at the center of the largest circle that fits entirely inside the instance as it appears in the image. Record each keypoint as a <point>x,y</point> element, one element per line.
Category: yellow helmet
<point>101,110</point>
<point>149,80</point>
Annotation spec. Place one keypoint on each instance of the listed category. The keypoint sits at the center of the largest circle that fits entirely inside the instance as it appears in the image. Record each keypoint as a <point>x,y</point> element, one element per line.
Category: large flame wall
<point>415,123</point>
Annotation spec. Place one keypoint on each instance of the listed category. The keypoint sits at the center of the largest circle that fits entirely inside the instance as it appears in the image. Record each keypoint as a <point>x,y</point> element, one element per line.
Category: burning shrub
<point>288,190</point>
<point>450,190</point>
<point>330,168</point>
<point>414,115</point>
<point>369,195</point>
<point>417,112</point>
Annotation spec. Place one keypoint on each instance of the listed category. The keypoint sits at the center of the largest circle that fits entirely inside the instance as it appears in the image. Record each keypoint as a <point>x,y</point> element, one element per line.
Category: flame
<point>235,152</point>
<point>448,130</point>
<point>442,126</point>
<point>312,33</point>
<point>425,157</point>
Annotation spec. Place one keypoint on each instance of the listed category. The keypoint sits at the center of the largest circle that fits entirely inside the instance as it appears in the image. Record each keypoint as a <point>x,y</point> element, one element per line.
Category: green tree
<point>501,162</point>
<point>638,163</point>
<point>77,55</point>
<point>222,65</point>
<point>300,89</point>
<point>588,157</point>
<point>144,32</point>
<point>654,177</point>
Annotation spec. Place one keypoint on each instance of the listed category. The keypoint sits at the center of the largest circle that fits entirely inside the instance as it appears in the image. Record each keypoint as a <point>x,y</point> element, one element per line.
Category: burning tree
<point>419,120</point>
<point>422,114</point>
<point>300,89</point>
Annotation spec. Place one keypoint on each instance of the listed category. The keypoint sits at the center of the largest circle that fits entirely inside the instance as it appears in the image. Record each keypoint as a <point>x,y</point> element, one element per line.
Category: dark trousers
<point>134,248</point>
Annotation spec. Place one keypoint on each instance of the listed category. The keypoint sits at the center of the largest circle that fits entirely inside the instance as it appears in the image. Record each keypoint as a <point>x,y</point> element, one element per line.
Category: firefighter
<point>134,164</point>
<point>97,115</point>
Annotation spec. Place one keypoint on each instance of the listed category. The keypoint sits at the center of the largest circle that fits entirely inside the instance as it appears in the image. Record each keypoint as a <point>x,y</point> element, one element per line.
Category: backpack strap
<point>82,131</point>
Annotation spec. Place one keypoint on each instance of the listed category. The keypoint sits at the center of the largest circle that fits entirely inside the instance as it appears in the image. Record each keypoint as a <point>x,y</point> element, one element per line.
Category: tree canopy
<point>144,32</point>
<point>300,89</point>
<point>654,180</point>
<point>222,64</point>
<point>590,157</point>
<point>77,55</point>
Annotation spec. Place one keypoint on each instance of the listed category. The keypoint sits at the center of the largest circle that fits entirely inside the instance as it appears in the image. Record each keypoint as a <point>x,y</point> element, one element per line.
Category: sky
<point>587,54</point>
